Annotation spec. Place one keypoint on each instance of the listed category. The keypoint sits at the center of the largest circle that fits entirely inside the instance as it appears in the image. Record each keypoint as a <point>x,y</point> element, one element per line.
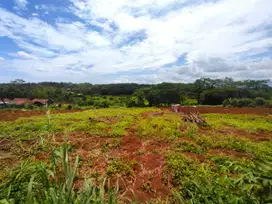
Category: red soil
<point>147,171</point>
<point>147,179</point>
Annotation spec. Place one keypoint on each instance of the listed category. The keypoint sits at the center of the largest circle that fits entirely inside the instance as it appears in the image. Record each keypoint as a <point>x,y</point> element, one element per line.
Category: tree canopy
<point>205,91</point>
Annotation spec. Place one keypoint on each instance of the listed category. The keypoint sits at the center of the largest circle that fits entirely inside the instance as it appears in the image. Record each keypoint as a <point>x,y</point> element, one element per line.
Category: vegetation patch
<point>117,166</point>
<point>151,154</point>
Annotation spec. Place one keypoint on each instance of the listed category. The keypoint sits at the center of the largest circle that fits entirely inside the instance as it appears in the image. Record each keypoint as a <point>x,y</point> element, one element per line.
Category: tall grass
<point>40,183</point>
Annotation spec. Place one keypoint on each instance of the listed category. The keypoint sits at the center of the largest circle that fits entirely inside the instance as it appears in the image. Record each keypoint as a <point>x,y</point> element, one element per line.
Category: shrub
<point>260,101</point>
<point>189,102</point>
<point>246,102</point>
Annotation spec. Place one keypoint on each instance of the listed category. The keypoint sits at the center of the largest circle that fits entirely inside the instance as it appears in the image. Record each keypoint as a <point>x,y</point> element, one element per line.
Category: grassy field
<point>134,156</point>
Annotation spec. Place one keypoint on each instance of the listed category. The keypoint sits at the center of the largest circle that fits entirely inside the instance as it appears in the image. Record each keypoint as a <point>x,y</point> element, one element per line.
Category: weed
<point>114,144</point>
<point>117,166</point>
<point>164,127</point>
<point>139,153</point>
<point>46,187</point>
<point>250,123</point>
<point>188,147</point>
<point>218,179</point>
<point>147,187</point>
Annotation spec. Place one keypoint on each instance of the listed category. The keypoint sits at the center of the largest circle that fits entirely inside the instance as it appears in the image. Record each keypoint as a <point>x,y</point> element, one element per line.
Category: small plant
<point>139,153</point>
<point>257,183</point>
<point>114,144</point>
<point>117,166</point>
<point>188,147</point>
<point>147,187</point>
<point>46,186</point>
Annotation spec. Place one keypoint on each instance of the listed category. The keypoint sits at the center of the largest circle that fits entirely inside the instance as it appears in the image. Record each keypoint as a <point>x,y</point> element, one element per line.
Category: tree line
<point>204,91</point>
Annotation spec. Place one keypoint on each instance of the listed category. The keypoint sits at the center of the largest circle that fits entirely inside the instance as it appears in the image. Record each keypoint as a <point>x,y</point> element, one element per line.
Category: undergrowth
<point>214,179</point>
<point>54,183</point>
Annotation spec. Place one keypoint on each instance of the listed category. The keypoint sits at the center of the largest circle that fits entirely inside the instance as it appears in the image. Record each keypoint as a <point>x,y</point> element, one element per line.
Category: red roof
<point>22,101</point>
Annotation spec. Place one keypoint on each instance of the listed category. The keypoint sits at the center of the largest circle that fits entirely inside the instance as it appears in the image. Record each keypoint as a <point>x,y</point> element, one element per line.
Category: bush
<point>260,101</point>
<point>268,104</point>
<point>189,102</point>
<point>246,102</point>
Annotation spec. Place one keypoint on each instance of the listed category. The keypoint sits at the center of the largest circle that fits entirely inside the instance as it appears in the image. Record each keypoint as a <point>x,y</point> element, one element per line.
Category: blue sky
<point>143,41</point>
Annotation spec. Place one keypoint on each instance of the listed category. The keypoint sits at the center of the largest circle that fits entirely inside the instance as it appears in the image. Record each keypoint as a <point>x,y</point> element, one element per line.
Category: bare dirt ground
<point>11,115</point>
<point>146,181</point>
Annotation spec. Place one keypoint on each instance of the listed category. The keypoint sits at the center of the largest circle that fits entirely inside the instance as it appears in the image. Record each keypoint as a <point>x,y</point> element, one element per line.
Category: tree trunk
<point>2,99</point>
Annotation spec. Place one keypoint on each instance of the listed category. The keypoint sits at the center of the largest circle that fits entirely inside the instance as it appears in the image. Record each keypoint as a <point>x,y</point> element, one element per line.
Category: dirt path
<point>147,181</point>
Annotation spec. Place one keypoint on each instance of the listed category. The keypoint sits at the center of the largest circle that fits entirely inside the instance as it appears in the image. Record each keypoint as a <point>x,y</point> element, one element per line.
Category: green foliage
<point>246,102</point>
<point>189,102</point>
<point>198,183</point>
<point>202,175</point>
<point>38,183</point>
<point>117,166</point>
<point>117,120</point>
<point>258,182</point>
<point>188,147</point>
<point>164,127</point>
<point>216,96</point>
<point>205,91</point>
<point>249,123</point>
<point>147,187</point>
<point>111,145</point>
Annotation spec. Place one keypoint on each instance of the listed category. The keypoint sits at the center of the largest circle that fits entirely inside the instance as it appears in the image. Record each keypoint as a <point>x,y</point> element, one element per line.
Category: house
<point>25,101</point>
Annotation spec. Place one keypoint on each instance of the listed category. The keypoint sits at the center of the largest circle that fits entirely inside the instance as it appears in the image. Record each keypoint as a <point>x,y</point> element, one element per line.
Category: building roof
<point>22,101</point>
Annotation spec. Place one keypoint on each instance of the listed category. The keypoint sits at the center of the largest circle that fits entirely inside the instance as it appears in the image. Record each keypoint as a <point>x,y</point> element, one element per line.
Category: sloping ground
<point>149,152</point>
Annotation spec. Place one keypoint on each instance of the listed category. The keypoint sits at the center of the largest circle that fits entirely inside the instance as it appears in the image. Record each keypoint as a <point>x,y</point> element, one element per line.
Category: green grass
<point>117,166</point>
<point>162,127</point>
<point>74,122</point>
<point>249,123</point>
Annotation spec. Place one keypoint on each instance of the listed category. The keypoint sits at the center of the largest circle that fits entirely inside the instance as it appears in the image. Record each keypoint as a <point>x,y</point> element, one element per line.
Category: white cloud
<point>35,14</point>
<point>2,60</point>
<point>215,38</point>
<point>23,54</point>
<point>20,4</point>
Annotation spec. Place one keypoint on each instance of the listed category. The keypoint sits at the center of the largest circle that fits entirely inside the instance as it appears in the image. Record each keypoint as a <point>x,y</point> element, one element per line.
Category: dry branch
<point>193,118</point>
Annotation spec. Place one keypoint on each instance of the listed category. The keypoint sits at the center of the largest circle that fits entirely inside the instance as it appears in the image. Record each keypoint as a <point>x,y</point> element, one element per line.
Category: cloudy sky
<point>144,41</point>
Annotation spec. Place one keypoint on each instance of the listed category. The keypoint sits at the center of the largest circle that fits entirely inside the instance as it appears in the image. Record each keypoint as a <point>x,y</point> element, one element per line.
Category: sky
<point>142,41</point>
